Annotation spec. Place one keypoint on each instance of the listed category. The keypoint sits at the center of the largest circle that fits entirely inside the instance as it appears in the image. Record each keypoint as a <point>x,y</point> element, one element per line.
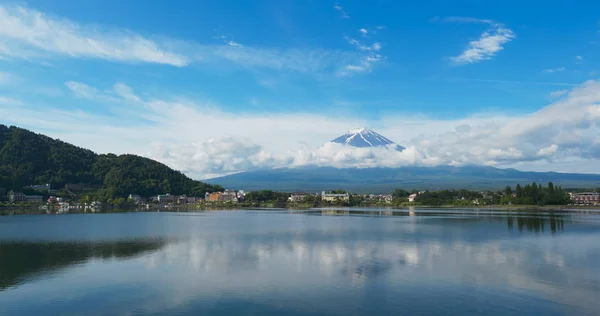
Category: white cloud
<point>548,151</point>
<point>370,56</point>
<point>33,35</point>
<point>6,101</point>
<point>553,70</point>
<point>26,31</point>
<point>463,19</point>
<point>234,44</point>
<point>202,140</point>
<point>487,46</point>
<point>579,58</point>
<point>338,7</point>
<point>82,90</point>
<point>364,32</point>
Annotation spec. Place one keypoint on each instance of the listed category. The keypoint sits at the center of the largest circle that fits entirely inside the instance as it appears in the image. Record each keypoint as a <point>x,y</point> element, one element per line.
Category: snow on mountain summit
<point>364,138</point>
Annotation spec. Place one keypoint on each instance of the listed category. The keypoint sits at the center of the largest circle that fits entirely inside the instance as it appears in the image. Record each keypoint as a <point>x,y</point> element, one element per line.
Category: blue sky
<point>273,80</point>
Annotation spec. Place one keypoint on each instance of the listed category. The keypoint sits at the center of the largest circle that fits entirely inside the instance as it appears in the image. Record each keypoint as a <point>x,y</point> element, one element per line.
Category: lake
<point>318,262</point>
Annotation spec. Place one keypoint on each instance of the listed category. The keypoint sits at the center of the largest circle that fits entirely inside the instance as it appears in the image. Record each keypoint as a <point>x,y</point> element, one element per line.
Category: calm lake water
<point>301,263</point>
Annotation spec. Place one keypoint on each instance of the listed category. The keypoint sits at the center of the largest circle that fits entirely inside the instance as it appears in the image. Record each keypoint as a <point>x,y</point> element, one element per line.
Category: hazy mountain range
<point>317,178</point>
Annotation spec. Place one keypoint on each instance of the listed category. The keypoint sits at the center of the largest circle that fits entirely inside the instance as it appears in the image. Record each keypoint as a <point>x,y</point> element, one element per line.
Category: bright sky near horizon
<point>215,87</point>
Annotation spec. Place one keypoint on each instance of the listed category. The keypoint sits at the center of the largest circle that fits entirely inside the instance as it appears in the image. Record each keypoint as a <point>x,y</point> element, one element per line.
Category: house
<point>14,197</point>
<point>228,196</point>
<point>241,195</point>
<point>213,197</point>
<point>411,198</point>
<point>298,197</point>
<point>331,197</point>
<point>166,198</point>
<point>193,200</point>
<point>387,198</point>
<point>586,198</point>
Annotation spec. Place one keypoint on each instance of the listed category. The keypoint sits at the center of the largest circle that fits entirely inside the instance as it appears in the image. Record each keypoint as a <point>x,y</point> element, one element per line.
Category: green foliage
<point>534,194</point>
<point>400,194</point>
<point>448,197</point>
<point>28,158</point>
<point>267,197</point>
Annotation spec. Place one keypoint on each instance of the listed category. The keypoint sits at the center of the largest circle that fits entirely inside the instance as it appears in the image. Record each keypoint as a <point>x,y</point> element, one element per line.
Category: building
<point>213,197</point>
<point>241,195</point>
<point>165,198</point>
<point>193,200</point>
<point>34,198</point>
<point>39,187</point>
<point>14,197</point>
<point>411,198</point>
<point>229,196</point>
<point>386,198</point>
<point>298,197</point>
<point>331,197</point>
<point>586,198</point>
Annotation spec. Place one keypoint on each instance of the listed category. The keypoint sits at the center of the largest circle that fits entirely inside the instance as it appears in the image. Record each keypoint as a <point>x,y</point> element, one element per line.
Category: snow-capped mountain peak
<point>364,138</point>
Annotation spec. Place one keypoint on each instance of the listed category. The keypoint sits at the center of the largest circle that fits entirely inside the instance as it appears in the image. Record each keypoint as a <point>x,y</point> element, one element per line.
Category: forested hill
<point>28,158</point>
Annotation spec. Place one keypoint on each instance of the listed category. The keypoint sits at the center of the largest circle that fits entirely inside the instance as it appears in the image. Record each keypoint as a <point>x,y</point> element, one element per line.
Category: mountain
<point>27,158</point>
<point>381,180</point>
<point>365,138</point>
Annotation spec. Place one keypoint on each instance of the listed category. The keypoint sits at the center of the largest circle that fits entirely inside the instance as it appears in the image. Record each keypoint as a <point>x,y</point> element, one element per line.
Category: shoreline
<point>377,208</point>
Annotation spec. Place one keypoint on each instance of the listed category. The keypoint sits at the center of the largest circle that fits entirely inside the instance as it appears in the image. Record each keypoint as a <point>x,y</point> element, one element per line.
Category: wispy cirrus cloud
<point>33,35</point>
<point>553,70</point>
<point>340,9</point>
<point>27,32</point>
<point>462,19</point>
<point>490,42</point>
<point>370,55</point>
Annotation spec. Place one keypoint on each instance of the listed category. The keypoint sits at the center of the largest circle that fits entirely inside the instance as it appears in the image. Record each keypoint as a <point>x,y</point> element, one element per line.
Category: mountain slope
<point>28,158</point>
<point>365,138</point>
<point>381,180</point>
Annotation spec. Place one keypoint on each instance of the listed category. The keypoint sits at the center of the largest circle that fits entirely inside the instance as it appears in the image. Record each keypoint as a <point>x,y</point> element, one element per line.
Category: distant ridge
<point>382,180</point>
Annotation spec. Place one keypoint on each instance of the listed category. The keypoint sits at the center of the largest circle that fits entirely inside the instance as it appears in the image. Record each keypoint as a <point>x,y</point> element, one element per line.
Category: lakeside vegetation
<point>528,195</point>
<point>28,158</point>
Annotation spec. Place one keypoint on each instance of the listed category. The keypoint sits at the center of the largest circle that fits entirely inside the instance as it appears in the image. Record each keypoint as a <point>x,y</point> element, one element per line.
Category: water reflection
<point>536,224</point>
<point>530,222</point>
<point>21,261</point>
<point>276,263</point>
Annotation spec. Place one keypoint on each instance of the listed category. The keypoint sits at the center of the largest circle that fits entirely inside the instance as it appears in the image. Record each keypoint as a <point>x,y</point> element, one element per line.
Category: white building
<point>411,198</point>
<point>331,197</point>
<point>298,197</point>
<point>15,196</point>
